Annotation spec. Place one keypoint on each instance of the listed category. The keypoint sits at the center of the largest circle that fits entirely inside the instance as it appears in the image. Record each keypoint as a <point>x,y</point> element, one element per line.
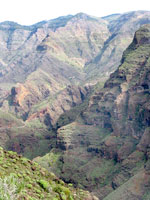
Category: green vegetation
<point>49,161</point>
<point>21,178</point>
<point>10,187</point>
<point>44,184</point>
<point>7,118</point>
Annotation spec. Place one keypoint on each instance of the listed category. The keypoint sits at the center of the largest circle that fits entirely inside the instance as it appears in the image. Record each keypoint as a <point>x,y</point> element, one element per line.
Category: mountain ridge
<point>54,100</point>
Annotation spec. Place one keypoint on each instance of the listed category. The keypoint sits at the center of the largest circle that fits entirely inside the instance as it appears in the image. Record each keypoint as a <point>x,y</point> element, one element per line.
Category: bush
<point>44,184</point>
<point>63,191</point>
<point>29,186</point>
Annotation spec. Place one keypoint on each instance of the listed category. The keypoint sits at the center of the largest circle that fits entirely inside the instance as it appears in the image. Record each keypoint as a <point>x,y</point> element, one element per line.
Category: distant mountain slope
<point>75,42</point>
<point>65,39</point>
<point>106,149</point>
<point>122,28</point>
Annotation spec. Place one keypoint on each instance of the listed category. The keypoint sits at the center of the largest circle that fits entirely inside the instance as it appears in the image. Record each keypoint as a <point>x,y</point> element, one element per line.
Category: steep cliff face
<point>124,101</point>
<point>123,105</point>
<point>106,150</point>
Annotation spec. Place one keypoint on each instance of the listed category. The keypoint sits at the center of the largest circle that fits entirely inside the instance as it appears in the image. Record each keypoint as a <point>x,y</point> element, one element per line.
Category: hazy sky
<point>27,12</point>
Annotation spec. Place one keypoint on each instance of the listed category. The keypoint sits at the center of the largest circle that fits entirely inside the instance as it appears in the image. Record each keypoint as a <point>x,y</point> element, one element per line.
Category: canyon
<point>74,97</point>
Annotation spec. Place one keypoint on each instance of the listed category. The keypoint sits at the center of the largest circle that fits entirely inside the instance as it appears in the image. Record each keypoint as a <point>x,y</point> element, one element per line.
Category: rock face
<point>106,150</point>
<point>123,105</point>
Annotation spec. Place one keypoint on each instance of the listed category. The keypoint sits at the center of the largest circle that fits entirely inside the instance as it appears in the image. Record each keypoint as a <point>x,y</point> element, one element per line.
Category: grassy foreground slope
<point>21,178</point>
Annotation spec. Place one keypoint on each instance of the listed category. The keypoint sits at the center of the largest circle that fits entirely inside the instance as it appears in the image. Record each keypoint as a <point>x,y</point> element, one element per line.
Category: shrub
<point>44,184</point>
<point>29,186</point>
<point>63,191</point>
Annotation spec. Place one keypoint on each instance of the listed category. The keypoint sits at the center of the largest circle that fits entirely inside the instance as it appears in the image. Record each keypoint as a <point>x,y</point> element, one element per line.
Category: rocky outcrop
<point>63,102</point>
<point>23,98</point>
